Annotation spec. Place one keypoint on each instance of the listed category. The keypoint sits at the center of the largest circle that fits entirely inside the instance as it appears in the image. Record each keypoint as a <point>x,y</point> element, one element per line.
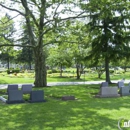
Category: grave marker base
<point>68,98</point>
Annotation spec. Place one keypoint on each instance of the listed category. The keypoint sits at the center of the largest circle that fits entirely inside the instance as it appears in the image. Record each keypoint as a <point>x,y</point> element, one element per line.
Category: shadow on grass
<point>86,113</point>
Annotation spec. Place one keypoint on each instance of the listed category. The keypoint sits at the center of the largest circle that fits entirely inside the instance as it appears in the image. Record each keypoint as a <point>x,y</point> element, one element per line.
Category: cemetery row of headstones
<point>16,96</point>
<point>119,90</point>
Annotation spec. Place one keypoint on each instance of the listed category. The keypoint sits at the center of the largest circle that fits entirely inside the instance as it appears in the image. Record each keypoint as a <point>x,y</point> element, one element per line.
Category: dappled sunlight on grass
<point>84,113</point>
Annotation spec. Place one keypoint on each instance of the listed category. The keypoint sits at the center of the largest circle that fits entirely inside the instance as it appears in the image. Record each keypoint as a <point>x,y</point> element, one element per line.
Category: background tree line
<point>65,32</point>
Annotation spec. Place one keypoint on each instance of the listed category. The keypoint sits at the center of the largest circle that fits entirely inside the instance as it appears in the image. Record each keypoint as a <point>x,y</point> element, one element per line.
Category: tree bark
<point>40,68</point>
<point>107,70</point>
<point>78,71</point>
<point>8,62</point>
<point>61,70</point>
<point>107,54</point>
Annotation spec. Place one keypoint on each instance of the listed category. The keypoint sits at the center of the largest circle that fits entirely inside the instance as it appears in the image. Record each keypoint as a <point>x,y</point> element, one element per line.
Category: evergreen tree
<point>109,29</point>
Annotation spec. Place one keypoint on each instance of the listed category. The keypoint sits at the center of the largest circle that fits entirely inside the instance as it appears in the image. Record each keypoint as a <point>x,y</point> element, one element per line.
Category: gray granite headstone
<point>15,96</point>
<point>120,84</point>
<point>124,91</point>
<point>26,88</point>
<point>104,84</point>
<point>37,96</point>
<point>108,92</point>
<point>12,87</point>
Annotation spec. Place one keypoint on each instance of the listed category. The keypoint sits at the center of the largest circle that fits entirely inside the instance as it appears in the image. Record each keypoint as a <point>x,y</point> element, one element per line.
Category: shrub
<point>49,71</point>
<point>55,71</point>
<point>111,71</point>
<point>10,71</point>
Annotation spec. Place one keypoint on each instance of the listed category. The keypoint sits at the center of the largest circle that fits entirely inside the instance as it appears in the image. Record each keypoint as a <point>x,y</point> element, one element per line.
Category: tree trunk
<point>8,63</point>
<point>61,70</point>
<point>30,66</point>
<point>107,70</point>
<point>78,71</point>
<point>106,51</point>
<point>40,68</point>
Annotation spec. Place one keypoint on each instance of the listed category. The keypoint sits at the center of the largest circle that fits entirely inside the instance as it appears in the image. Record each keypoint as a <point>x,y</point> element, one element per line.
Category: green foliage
<point>111,71</point>
<point>108,31</point>
<point>49,71</point>
<point>55,71</point>
<point>11,70</point>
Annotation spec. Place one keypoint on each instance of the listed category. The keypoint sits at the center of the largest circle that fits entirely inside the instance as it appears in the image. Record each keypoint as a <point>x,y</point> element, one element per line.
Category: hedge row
<point>10,71</point>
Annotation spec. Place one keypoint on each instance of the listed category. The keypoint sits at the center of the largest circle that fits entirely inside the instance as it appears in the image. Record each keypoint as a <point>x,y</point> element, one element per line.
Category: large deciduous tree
<point>42,17</point>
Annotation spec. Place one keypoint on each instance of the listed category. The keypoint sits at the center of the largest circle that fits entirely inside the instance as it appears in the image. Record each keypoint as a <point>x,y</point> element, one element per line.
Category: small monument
<point>37,96</point>
<point>15,96</point>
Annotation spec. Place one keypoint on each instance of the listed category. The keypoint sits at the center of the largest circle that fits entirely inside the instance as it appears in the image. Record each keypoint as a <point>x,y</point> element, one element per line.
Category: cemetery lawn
<point>29,77</point>
<point>84,113</point>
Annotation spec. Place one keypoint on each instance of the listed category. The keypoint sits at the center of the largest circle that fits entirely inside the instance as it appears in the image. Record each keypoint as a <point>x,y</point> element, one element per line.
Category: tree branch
<point>10,19</point>
<point>73,17</point>
<point>57,9</point>
<point>18,45</point>
<point>52,42</point>
<point>25,5</point>
<point>12,9</point>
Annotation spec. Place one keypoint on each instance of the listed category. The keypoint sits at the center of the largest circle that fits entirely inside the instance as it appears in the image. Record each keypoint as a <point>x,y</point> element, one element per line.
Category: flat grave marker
<point>68,97</point>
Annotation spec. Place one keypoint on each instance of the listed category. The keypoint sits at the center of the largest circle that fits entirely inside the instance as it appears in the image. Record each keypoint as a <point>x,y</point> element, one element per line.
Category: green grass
<point>67,77</point>
<point>84,113</point>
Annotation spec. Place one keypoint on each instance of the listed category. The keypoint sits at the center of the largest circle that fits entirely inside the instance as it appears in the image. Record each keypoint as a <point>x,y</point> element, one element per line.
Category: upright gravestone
<point>26,88</point>
<point>120,84</point>
<point>15,96</point>
<point>108,92</point>
<point>12,87</point>
<point>37,96</point>
<point>104,84</point>
<point>124,91</point>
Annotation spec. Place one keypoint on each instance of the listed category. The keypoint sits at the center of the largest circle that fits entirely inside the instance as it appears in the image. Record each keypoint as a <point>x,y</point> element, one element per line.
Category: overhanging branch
<point>12,9</point>
<point>18,45</point>
<point>54,41</point>
<point>72,17</point>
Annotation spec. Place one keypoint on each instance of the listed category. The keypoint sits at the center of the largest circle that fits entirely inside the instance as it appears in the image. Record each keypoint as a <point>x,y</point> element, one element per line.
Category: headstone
<point>68,98</point>
<point>15,96</point>
<point>26,88</point>
<point>12,87</point>
<point>129,85</point>
<point>104,84</point>
<point>120,84</point>
<point>37,96</point>
<point>108,92</point>
<point>123,80</point>
<point>124,91</point>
